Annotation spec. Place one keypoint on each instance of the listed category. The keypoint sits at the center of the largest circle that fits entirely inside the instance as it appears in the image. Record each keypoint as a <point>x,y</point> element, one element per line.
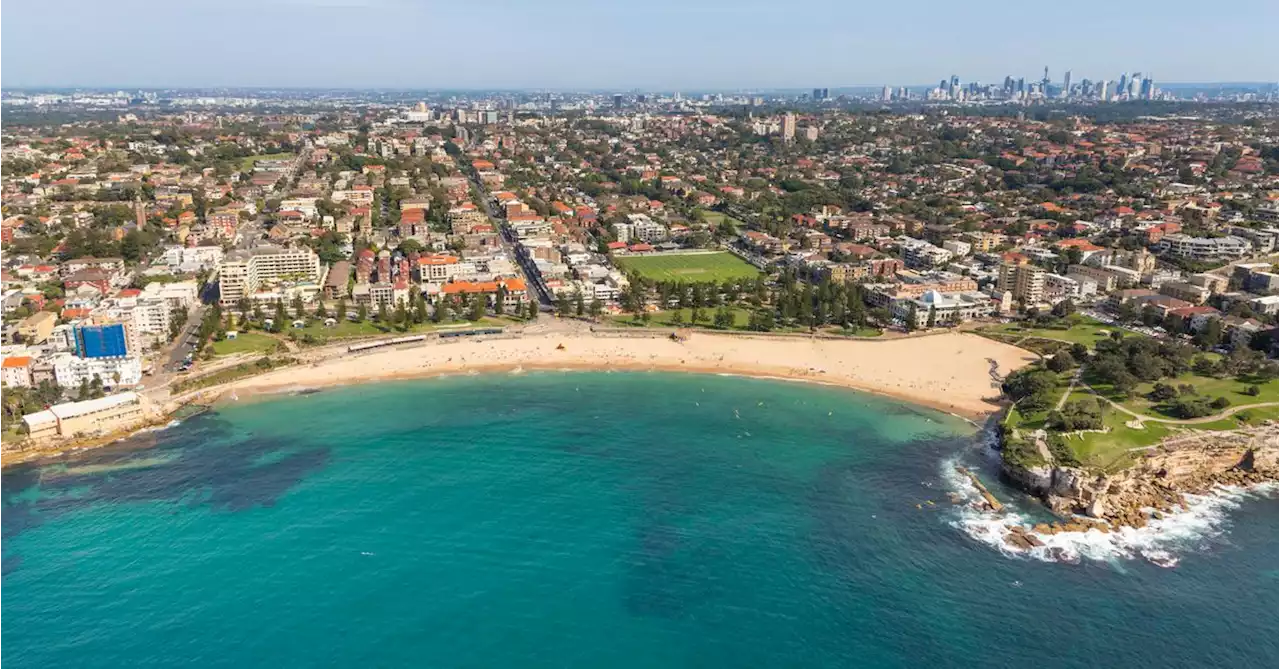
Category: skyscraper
<point>1066,84</point>
<point>1123,85</point>
<point>820,94</point>
<point>1147,89</point>
<point>617,101</point>
<point>1103,93</point>
<point>788,126</point>
<point>886,95</point>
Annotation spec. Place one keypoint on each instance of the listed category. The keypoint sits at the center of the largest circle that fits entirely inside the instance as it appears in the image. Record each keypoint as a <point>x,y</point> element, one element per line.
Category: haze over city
<point>666,44</point>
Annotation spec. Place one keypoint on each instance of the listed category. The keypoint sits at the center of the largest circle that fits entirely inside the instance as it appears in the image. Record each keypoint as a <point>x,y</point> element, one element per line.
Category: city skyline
<point>663,46</point>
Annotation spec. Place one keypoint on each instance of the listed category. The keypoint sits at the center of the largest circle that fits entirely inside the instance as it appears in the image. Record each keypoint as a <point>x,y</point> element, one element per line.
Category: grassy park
<point>689,267</point>
<point>1074,329</point>
<point>715,218</point>
<point>246,342</point>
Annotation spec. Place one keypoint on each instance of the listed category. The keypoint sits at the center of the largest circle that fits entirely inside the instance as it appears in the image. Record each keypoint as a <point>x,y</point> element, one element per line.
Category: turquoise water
<point>582,519</point>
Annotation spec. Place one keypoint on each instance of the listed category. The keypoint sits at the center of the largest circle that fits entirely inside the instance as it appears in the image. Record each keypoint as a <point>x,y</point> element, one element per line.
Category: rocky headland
<point>1190,463</point>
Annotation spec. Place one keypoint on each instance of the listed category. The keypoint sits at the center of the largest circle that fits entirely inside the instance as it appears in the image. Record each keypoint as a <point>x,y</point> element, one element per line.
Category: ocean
<point>583,519</point>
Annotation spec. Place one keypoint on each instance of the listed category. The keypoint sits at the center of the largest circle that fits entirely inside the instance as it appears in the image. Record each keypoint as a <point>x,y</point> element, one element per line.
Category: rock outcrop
<point>1190,463</point>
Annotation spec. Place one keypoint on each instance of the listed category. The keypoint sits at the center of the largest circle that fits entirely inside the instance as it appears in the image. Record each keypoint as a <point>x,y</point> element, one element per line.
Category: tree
<point>724,318</point>
<point>1205,367</point>
<point>1064,308</point>
<point>596,308</point>
<point>441,312</point>
<point>277,322</point>
<point>1210,336</point>
<point>402,315</point>
<point>579,305</point>
<point>562,305</point>
<point>677,317</point>
<point>320,310</point>
<point>1162,392</point>
<point>382,312</point>
<point>1028,382</point>
<point>1062,361</point>
<point>419,308</point>
<point>533,309</point>
<point>1191,407</point>
<point>478,307</point>
<point>1081,414</point>
<point>341,311</point>
<point>362,312</point>
<point>500,301</point>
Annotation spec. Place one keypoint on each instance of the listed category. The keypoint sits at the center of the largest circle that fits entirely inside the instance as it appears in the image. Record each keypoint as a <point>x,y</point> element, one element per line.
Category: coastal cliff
<point>1155,484</point>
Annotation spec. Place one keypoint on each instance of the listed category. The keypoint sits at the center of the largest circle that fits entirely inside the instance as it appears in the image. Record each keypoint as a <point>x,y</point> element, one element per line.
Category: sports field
<point>689,267</point>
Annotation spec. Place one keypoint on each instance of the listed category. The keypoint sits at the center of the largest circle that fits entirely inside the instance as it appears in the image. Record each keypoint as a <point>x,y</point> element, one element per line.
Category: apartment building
<point>1203,248</point>
<point>919,254</point>
<point>242,273</point>
<point>1025,282</point>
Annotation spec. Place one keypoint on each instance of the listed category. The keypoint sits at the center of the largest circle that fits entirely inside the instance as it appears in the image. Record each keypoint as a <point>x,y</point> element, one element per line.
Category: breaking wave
<point>1161,542</point>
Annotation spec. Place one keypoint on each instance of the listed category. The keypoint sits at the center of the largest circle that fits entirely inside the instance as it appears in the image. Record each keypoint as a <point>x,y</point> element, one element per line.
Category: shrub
<point>1163,392</point>
<point>1191,407</point>
<point>1253,391</point>
<point>1061,362</point>
<point>1220,403</point>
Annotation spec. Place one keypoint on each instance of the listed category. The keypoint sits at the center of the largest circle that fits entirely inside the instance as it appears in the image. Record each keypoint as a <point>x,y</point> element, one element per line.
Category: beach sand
<point>954,372</point>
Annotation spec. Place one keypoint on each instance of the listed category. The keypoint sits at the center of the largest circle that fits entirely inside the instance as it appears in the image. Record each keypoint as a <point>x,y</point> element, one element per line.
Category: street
<point>533,278</point>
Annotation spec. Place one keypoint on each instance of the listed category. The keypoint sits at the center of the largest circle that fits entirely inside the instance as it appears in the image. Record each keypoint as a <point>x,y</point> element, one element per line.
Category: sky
<point>655,45</point>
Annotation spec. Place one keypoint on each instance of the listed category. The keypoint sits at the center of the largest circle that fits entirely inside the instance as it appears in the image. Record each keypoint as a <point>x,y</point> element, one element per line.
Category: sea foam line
<point>1161,542</point>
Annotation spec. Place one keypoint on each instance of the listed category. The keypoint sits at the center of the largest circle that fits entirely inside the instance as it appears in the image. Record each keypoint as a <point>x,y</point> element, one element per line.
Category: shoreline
<point>965,369</point>
<point>974,419</point>
<point>955,373</point>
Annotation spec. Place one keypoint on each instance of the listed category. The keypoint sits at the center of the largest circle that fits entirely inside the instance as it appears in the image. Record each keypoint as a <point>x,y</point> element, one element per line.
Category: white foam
<point>1161,542</point>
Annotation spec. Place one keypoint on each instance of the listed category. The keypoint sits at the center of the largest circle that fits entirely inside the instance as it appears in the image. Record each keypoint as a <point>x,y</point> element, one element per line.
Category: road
<point>181,345</point>
<point>515,249</point>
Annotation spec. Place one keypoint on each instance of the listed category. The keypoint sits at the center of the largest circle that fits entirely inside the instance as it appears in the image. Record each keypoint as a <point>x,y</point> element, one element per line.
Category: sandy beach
<point>953,372</point>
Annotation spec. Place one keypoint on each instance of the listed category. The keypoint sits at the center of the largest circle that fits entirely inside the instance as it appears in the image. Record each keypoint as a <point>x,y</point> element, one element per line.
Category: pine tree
<point>277,324</point>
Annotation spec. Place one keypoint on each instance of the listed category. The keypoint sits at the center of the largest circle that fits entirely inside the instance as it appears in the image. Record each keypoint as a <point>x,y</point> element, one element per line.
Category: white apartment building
<point>187,260</point>
<point>639,227</point>
<point>306,205</point>
<point>242,273</point>
<point>1074,287</point>
<point>177,295</point>
<point>69,371</point>
<point>919,254</point>
<point>1204,248</point>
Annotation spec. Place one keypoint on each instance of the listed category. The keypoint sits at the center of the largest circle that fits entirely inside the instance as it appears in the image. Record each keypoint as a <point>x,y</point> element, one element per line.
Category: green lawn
<point>689,267</point>
<point>1083,330</point>
<point>246,163</point>
<point>1113,450</point>
<point>246,342</point>
<point>716,218</point>
<point>371,328</point>
<point>1208,387</point>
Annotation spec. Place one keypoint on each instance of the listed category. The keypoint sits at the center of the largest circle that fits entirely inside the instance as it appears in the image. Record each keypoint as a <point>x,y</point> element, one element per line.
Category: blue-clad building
<point>101,341</point>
